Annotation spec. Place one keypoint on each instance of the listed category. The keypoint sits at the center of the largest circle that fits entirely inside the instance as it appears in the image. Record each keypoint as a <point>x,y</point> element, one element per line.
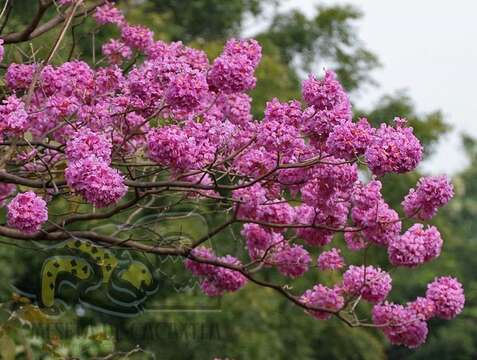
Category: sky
<point>429,48</point>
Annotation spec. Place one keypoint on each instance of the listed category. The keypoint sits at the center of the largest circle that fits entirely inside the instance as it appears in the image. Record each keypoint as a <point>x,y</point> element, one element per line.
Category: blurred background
<point>396,58</point>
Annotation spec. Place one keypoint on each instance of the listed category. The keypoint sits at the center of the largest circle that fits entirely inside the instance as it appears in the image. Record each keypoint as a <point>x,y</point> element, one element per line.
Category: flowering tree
<point>150,119</point>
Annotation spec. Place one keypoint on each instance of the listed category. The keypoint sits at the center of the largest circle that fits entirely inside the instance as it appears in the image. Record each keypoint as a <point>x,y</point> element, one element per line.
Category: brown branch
<point>25,34</point>
<point>88,235</point>
<point>34,29</point>
<point>37,184</point>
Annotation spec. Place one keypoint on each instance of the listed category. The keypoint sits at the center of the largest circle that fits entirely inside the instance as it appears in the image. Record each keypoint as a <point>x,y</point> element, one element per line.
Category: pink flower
<point>95,181</point>
<point>19,76</point>
<point>291,260</point>
<point>223,280</point>
<point>13,116</point>
<point>393,149</point>
<point>236,108</point>
<point>5,191</point>
<point>373,284</point>
<point>249,48</point>
<point>108,14</point>
<point>198,268</point>
<point>287,113</point>
<point>171,146</point>
<point>354,240</point>
<point>401,325</point>
<point>137,37</point>
<point>233,71</point>
<point>416,246</point>
<point>215,280</point>
<point>232,74</point>
<point>432,192</point>
<point>323,297</point>
<point>27,212</point>
<point>261,242</point>
<point>448,297</point>
<point>423,307</point>
<point>186,90</point>
<point>318,221</point>
<point>324,94</point>
<point>331,260</point>
<point>350,140</point>
<point>379,223</point>
<point>85,143</point>
<point>250,198</point>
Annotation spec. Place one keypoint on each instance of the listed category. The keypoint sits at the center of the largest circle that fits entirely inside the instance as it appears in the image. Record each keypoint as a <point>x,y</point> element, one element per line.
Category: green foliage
<point>205,19</point>
<point>328,36</point>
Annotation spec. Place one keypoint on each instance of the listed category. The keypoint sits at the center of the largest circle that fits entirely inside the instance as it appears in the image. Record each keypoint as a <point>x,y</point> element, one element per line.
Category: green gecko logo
<point>93,277</point>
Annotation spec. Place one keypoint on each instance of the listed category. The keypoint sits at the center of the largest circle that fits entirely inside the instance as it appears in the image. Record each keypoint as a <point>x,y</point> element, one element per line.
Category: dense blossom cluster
<point>215,280</point>
<point>174,121</point>
<point>93,179</point>
<point>233,71</point>
<point>447,295</point>
<point>373,284</point>
<point>416,246</point>
<point>380,223</point>
<point>406,325</point>
<point>400,324</point>
<point>393,149</point>
<point>331,260</point>
<point>86,143</point>
<point>432,192</point>
<point>13,117</point>
<point>27,212</point>
<point>330,300</point>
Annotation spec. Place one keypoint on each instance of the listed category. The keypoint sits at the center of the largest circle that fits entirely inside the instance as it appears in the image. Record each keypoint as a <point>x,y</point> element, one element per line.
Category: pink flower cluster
<point>89,172</point>
<point>432,192</point>
<point>447,294</point>
<point>261,243</point>
<point>116,51</point>
<point>329,299</point>
<point>233,70</point>
<point>331,260</point>
<point>400,324</point>
<point>373,284</point>
<point>324,94</point>
<point>393,149</point>
<point>86,143</point>
<point>416,246</point>
<point>96,181</point>
<point>350,140</point>
<point>406,325</point>
<point>108,14</point>
<point>13,116</point>
<point>291,260</point>
<point>272,249</point>
<point>27,212</point>
<point>215,280</point>
<point>379,223</point>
